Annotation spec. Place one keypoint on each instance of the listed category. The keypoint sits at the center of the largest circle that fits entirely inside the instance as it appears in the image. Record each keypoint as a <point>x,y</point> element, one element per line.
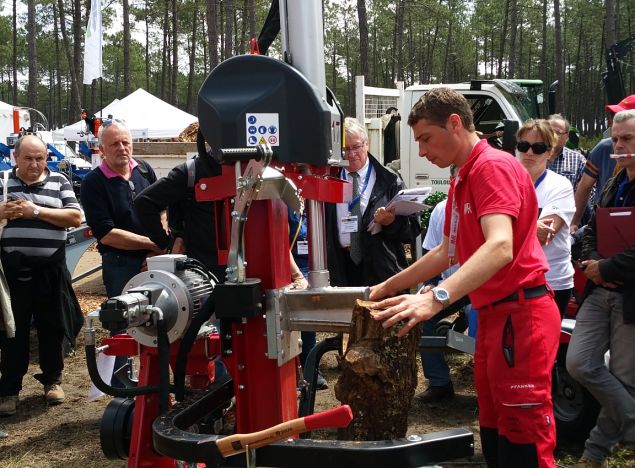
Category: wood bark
<point>212,32</point>
<point>378,377</point>
<point>559,51</point>
<point>190,79</point>
<point>78,40</point>
<point>399,17</point>
<point>147,47</point>
<point>73,96</point>
<point>363,41</point>
<point>126,48</point>
<point>31,41</point>
<point>175,55</point>
<point>229,26</point>
<point>513,26</point>
<point>501,46</point>
<point>14,59</point>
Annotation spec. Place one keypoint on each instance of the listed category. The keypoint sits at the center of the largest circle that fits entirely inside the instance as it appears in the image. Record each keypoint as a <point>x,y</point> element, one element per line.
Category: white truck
<point>499,107</point>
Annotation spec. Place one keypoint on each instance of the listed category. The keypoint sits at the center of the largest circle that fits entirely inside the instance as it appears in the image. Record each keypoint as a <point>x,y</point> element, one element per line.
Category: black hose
<point>163,344</point>
<point>186,344</point>
<point>93,372</point>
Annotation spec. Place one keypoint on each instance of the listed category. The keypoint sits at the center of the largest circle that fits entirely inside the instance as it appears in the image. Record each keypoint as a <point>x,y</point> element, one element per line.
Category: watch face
<point>441,294</point>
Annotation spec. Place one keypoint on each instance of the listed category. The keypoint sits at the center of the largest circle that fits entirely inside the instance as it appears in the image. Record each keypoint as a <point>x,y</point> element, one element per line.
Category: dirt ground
<point>67,435</point>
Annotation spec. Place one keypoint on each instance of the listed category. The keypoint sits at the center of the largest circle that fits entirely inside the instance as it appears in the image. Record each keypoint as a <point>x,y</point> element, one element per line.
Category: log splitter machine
<point>283,128</point>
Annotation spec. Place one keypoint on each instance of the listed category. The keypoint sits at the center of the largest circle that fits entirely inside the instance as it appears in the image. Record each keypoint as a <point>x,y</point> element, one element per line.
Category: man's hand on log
<point>409,308</point>
<point>379,291</point>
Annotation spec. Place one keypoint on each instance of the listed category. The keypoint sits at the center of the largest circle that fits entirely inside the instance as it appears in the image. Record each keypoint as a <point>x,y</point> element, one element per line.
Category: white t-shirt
<point>555,196</point>
<point>434,234</point>
<point>342,208</point>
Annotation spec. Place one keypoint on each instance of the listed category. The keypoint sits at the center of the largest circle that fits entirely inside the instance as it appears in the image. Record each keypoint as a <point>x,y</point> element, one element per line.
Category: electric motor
<point>174,287</point>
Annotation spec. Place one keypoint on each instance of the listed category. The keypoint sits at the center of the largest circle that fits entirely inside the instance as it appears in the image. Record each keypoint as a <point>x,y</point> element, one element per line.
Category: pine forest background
<point>169,46</point>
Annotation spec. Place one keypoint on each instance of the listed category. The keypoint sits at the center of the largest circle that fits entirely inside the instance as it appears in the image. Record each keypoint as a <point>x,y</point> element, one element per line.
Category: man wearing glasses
<point>565,161</point>
<point>490,230</point>
<point>107,196</point>
<point>355,257</point>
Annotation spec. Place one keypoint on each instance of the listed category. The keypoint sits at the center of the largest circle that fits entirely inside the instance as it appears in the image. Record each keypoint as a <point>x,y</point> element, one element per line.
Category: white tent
<point>6,120</point>
<point>146,115</point>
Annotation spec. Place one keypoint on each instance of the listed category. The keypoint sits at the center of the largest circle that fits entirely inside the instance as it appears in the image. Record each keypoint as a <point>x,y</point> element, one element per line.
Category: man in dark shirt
<point>108,194</point>
<point>192,224</point>
<point>606,319</point>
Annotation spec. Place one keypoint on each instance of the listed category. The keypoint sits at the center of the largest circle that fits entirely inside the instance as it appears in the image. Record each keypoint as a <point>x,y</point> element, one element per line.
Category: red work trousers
<point>516,348</point>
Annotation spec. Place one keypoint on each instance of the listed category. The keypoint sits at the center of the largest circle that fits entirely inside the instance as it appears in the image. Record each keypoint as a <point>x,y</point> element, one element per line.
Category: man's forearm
<point>427,267</point>
<point>126,240</point>
<point>61,217</point>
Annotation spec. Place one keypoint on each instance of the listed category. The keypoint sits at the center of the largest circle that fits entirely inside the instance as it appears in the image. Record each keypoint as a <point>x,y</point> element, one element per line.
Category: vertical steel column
<point>302,32</point>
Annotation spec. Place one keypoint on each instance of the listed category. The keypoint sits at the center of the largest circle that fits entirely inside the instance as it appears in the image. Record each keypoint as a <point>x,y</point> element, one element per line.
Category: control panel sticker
<point>262,128</point>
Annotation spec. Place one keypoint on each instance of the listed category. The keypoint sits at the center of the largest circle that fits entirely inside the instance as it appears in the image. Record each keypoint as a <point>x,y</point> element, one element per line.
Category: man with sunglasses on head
<point>599,167</point>
<point>606,318</point>
<point>490,230</point>
<point>355,256</point>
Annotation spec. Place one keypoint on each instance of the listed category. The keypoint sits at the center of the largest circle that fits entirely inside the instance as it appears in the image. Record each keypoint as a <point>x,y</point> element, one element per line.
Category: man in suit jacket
<point>355,257</point>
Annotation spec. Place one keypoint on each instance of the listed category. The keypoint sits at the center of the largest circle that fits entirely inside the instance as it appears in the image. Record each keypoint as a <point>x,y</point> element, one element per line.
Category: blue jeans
<point>117,270</point>
<point>435,367</point>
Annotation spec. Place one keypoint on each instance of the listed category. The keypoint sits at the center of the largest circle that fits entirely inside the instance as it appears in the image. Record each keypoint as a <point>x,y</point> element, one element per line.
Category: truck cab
<point>498,106</point>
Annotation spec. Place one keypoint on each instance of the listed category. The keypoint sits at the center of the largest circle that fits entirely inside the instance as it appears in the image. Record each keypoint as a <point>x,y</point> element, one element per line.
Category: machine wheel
<point>116,427</point>
<point>574,408</point>
<point>442,327</point>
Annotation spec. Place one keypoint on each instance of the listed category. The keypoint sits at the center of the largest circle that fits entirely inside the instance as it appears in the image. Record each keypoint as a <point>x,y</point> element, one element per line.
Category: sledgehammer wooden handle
<point>237,443</point>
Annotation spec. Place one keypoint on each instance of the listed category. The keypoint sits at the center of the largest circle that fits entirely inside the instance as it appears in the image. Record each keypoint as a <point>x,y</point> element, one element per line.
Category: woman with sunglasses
<point>535,143</point>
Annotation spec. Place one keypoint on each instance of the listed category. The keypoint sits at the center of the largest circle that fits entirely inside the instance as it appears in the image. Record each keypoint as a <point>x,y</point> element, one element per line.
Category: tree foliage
<point>174,44</point>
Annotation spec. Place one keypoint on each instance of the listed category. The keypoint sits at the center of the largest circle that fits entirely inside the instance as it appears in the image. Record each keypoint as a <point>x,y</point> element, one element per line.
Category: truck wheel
<point>574,408</point>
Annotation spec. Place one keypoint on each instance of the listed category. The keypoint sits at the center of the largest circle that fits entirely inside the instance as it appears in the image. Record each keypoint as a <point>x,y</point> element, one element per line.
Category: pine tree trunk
<point>175,55</point>
<point>14,59</point>
<point>212,32</point>
<point>378,378</point>
<point>363,41</point>
<point>31,41</point>
<point>126,48</point>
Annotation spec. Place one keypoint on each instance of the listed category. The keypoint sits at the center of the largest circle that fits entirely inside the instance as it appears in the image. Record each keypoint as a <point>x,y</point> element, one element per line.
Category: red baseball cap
<point>627,103</point>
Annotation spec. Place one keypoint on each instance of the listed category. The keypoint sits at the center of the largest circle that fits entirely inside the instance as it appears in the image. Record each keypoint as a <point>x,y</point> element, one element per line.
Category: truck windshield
<point>522,103</point>
<point>523,96</point>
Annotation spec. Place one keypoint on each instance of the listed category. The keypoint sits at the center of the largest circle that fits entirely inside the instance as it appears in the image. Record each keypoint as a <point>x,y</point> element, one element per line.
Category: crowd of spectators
<point>508,223</point>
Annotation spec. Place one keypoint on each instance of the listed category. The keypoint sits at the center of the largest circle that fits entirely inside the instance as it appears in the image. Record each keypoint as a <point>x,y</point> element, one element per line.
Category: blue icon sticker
<point>253,140</point>
<point>252,129</point>
<point>273,129</point>
<point>251,119</point>
<point>262,129</point>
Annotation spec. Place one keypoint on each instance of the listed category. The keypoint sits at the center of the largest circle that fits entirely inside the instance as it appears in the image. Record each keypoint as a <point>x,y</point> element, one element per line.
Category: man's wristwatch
<point>441,296</point>
<point>36,212</point>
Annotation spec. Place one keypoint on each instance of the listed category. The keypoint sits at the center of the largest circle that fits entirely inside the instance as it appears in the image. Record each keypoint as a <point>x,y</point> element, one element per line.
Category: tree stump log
<point>378,377</point>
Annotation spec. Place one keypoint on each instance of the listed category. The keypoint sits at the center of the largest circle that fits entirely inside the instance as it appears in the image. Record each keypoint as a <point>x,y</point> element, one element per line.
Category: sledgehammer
<point>238,443</point>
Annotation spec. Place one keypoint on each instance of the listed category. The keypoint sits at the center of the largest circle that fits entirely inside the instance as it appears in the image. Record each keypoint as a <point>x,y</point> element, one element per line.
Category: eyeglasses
<point>537,148</point>
<point>356,147</point>
<point>132,187</point>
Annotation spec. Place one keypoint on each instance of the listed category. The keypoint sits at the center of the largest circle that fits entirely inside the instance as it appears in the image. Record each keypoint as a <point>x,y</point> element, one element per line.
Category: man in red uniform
<point>490,230</point>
